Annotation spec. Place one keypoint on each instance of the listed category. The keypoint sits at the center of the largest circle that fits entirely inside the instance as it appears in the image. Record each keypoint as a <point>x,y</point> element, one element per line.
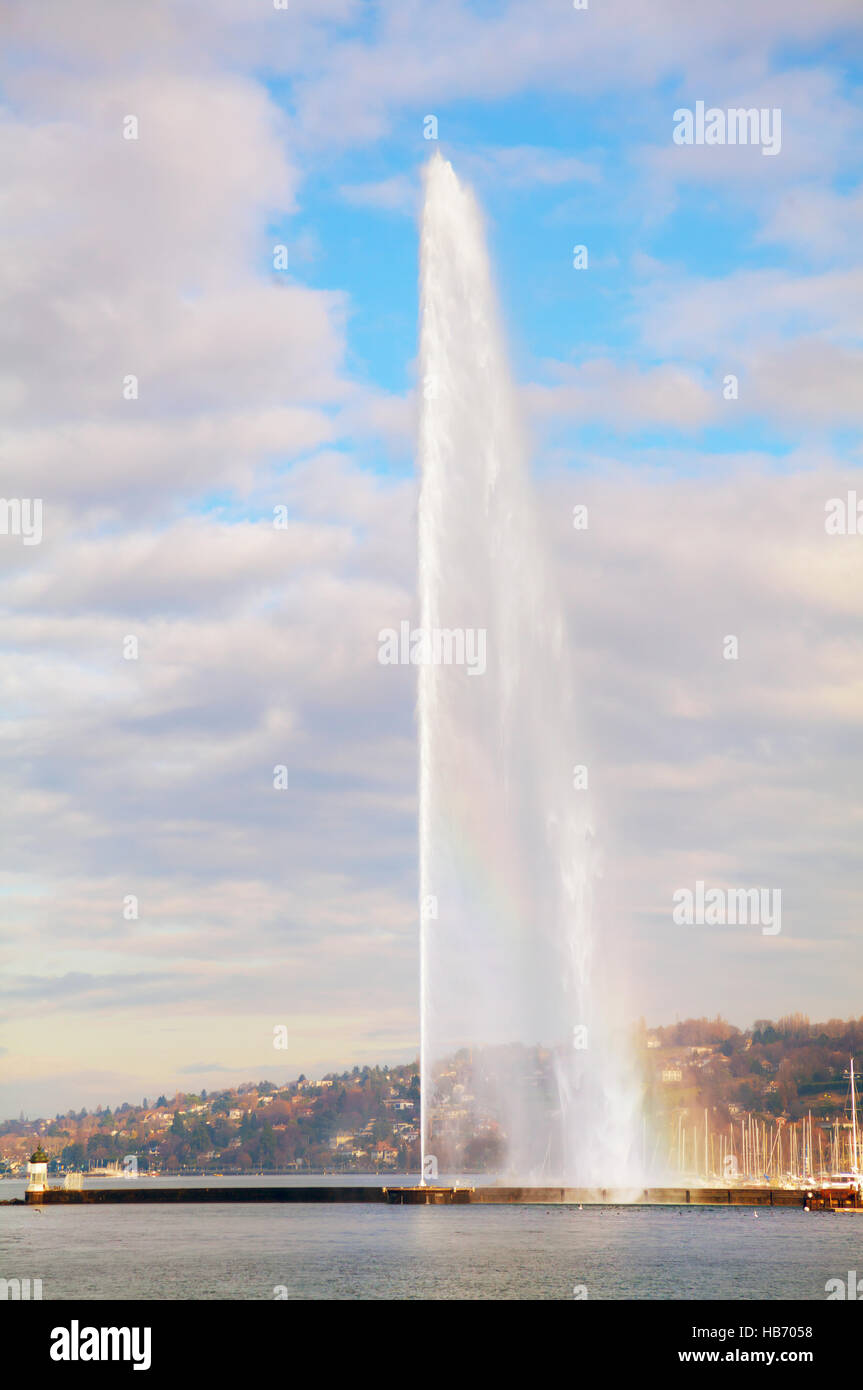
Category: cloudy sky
<point>263,386</point>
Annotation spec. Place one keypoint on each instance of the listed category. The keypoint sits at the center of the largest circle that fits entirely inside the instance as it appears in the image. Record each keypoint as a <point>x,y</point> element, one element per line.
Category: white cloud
<point>816,222</point>
<point>626,395</point>
<point>154,777</point>
<point>257,647</point>
<point>396,194</point>
<point>522,166</point>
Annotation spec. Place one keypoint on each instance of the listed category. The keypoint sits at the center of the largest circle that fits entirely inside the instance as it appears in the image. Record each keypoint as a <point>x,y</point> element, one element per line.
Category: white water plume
<point>508,953</point>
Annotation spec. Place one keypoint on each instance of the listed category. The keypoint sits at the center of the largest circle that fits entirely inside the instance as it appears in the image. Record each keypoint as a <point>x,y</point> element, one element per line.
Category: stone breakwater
<point>447,1196</point>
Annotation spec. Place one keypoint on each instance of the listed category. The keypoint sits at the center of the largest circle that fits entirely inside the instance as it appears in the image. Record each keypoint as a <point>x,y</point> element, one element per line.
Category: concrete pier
<point>429,1196</point>
<point>149,1195</point>
<point>580,1196</point>
<point>140,1192</point>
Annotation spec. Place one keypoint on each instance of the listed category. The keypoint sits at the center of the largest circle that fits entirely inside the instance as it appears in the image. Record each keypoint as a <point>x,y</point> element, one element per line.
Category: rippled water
<point>380,1252</point>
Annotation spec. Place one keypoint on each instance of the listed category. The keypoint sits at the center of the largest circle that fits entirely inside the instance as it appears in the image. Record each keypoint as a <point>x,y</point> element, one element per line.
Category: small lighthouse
<point>37,1169</point>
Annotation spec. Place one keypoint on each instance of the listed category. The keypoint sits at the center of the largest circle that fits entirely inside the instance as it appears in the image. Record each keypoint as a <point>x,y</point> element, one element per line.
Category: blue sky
<point>708,232</point>
<point>261,388</point>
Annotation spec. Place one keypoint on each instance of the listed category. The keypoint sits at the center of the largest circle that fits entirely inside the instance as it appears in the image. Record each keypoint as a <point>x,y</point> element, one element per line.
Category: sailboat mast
<point>853,1119</point>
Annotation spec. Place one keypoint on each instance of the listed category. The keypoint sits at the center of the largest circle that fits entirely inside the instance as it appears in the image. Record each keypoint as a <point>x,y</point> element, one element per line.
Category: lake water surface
<point>382,1252</point>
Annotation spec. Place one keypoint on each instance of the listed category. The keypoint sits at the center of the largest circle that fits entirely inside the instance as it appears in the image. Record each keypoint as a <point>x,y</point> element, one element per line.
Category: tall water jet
<point>523,1072</point>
